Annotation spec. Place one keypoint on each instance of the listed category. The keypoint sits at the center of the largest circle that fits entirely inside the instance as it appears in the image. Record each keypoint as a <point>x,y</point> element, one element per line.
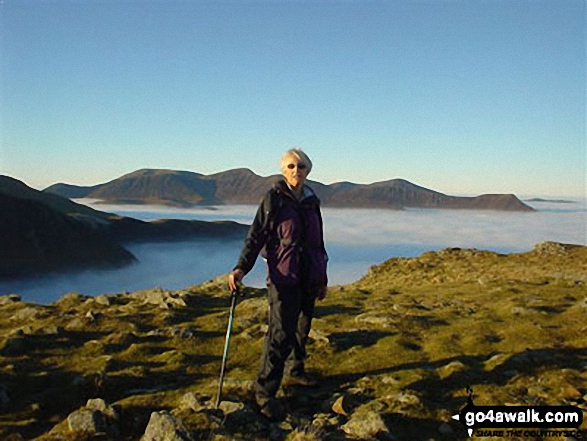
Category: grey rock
<point>551,248</point>
<point>375,318</point>
<point>162,298</point>
<point>365,425</point>
<point>520,310</point>
<point>405,399</point>
<point>183,333</point>
<point>28,330</point>
<point>26,314</point>
<point>163,426</point>
<point>86,421</point>
<point>229,407</point>
<point>52,330</point>
<point>98,404</point>
<point>451,368</point>
<point>71,298</point>
<point>318,336</point>
<point>77,324</point>
<point>8,299</point>
<point>194,402</point>
<point>103,300</point>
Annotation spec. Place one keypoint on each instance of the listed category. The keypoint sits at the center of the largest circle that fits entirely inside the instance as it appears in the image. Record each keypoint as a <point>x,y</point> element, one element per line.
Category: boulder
<point>100,405</point>
<point>103,300</point>
<point>163,426</point>
<point>9,299</point>
<point>365,425</point>
<point>86,421</point>
<point>451,368</point>
<point>95,418</point>
<point>194,402</point>
<point>162,298</point>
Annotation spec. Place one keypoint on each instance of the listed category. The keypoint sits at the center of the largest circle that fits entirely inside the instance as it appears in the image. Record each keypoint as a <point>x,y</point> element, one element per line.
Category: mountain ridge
<point>243,186</point>
<point>41,232</point>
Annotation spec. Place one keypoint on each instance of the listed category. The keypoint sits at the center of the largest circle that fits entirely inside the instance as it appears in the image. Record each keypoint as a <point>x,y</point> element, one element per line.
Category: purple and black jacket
<point>291,232</point>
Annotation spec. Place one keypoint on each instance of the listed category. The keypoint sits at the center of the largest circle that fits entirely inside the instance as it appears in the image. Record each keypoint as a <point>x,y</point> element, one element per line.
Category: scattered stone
<point>122,339</point>
<point>520,310</point>
<point>10,298</point>
<point>229,407</point>
<point>553,248</point>
<point>52,330</point>
<point>388,379</point>
<point>100,405</point>
<point>70,299</point>
<point>164,426</point>
<point>194,402</point>
<point>451,368</point>
<point>86,421</point>
<point>103,300</point>
<point>405,399</point>
<point>483,280</point>
<point>344,404</point>
<point>96,418</point>
<point>27,314</point>
<point>365,425</point>
<point>183,333</point>
<point>372,318</point>
<point>28,330</point>
<point>161,298</point>
<point>318,336</point>
<point>77,324</point>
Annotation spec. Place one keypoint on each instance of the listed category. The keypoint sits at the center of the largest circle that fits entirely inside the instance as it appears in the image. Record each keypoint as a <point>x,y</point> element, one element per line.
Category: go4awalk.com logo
<point>549,420</point>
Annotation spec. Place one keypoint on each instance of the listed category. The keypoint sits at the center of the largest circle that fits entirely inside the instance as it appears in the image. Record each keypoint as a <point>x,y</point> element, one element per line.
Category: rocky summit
<point>394,354</point>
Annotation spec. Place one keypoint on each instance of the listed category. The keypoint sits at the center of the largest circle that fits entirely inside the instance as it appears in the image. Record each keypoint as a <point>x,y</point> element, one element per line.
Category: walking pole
<point>233,297</point>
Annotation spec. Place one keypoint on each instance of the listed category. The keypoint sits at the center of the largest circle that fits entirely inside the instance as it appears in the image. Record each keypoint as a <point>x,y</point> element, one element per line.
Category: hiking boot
<point>272,409</point>
<point>301,380</point>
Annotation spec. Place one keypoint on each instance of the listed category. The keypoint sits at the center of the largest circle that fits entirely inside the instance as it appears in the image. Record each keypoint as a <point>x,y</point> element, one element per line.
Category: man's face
<point>295,172</point>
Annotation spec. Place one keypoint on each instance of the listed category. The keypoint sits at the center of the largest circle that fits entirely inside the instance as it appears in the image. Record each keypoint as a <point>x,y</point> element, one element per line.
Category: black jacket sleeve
<point>256,237</point>
<point>323,245</point>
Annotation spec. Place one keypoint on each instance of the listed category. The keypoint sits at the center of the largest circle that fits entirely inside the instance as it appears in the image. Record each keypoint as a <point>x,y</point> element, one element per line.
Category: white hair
<point>299,155</point>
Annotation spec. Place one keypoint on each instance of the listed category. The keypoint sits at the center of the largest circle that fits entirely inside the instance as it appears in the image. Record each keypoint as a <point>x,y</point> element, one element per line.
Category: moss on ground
<point>405,341</point>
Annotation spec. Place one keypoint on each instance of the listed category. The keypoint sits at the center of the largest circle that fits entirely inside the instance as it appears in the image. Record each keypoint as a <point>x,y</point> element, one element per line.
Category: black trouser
<point>291,309</point>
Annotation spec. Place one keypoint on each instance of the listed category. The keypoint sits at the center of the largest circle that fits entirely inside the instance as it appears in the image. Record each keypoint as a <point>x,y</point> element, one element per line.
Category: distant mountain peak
<point>243,186</point>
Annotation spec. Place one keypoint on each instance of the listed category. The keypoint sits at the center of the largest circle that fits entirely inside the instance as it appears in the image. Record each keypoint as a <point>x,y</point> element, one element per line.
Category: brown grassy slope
<point>404,342</point>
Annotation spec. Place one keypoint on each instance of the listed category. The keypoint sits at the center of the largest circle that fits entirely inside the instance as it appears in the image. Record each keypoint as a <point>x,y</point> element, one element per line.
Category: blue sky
<point>464,97</point>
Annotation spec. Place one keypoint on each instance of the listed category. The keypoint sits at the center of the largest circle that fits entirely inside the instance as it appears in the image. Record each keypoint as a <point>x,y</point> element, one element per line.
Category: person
<point>288,226</point>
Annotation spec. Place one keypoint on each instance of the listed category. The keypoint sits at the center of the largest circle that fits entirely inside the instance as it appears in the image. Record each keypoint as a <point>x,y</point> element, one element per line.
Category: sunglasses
<point>301,166</point>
